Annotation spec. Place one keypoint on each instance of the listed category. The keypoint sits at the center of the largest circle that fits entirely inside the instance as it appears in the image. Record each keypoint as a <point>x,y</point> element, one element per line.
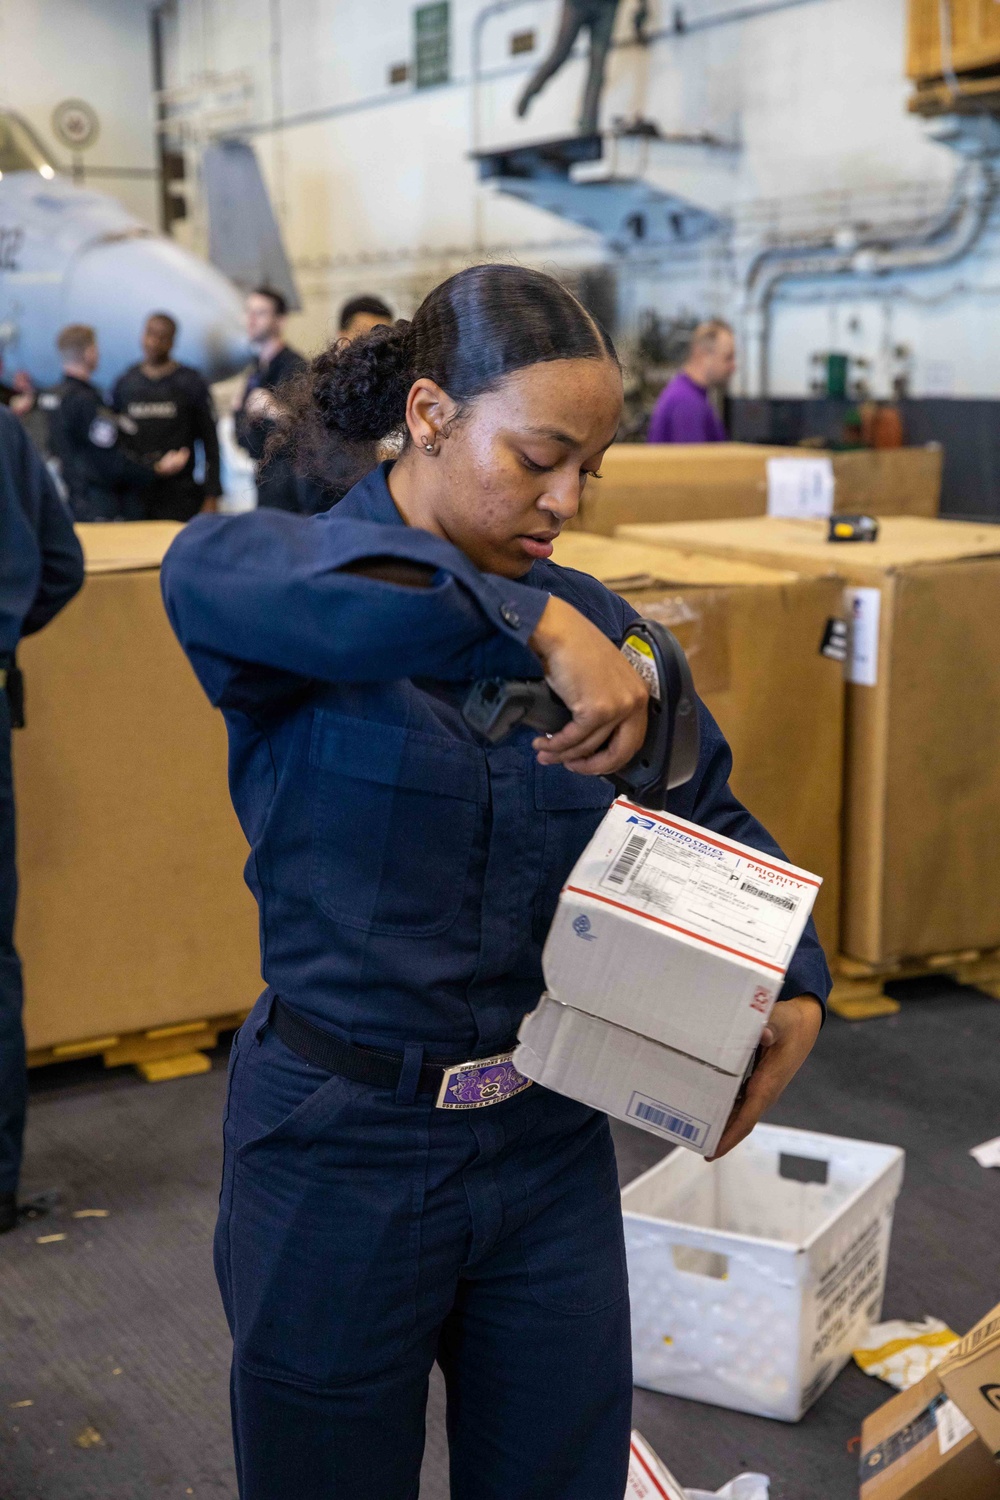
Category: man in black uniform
<point>89,440</point>
<point>170,406</point>
<point>41,568</point>
<point>278,487</point>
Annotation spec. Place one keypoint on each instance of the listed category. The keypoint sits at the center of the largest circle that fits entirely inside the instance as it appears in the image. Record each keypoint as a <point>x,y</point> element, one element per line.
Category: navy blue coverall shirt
<point>406,876</point>
<point>41,568</point>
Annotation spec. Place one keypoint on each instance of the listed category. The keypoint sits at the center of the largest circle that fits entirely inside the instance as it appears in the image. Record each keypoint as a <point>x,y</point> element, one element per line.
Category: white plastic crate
<point>752,1278</point>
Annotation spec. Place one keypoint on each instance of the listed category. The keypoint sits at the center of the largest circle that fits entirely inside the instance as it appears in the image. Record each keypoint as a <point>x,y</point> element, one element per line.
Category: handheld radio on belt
<point>669,753</point>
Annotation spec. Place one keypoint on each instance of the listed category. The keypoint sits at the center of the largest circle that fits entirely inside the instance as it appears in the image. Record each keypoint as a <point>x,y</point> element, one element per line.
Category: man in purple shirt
<point>683,413</point>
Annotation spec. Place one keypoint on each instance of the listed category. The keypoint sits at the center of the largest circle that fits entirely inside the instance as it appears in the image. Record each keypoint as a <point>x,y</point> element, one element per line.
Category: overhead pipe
<point>948,238</point>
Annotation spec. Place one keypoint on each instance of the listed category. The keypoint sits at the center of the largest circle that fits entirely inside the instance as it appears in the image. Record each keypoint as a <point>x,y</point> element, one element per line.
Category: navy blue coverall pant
<point>406,875</point>
<point>41,568</point>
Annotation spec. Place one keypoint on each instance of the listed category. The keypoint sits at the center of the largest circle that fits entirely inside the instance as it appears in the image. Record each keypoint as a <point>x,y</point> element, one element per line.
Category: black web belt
<point>360,1064</point>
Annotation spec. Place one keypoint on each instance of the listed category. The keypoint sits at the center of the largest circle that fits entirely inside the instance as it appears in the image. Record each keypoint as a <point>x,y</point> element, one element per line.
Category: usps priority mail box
<point>626,1075</point>
<point>677,933</point>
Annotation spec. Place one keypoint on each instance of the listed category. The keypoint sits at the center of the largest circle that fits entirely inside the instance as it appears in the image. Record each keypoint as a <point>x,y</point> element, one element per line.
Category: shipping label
<point>800,488</point>
<point>952,1427</point>
<point>709,890</point>
<point>863,607</point>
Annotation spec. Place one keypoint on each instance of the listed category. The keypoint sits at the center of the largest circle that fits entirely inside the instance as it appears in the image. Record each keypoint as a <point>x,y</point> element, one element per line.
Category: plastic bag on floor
<point>650,1479</point>
<point>902,1353</point>
<point>743,1487</point>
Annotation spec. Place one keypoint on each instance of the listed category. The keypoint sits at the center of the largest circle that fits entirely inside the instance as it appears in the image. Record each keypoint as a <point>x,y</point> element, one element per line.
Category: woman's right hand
<point>606,697</point>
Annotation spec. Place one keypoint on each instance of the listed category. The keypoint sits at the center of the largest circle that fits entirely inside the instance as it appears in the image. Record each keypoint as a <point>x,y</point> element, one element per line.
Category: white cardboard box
<point>627,1075</point>
<point>677,933</point>
<point>752,1278</point>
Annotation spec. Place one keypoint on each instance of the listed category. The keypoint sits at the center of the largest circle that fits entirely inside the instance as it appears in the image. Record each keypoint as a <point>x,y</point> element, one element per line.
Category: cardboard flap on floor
<point>677,933</point>
<point>970,1374</point>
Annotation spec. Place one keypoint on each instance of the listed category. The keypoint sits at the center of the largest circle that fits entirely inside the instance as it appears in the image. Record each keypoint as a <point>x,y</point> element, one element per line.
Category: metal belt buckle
<point>475,1085</point>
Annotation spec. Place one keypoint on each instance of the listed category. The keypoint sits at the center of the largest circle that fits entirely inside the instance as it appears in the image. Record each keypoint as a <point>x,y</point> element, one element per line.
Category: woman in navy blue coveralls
<point>406,874</point>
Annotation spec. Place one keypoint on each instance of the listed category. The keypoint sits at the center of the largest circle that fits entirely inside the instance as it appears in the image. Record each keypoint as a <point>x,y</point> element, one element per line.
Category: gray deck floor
<point>117,1328</point>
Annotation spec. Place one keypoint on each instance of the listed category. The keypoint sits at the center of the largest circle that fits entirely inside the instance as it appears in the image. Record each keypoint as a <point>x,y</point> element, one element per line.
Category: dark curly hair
<point>467,335</point>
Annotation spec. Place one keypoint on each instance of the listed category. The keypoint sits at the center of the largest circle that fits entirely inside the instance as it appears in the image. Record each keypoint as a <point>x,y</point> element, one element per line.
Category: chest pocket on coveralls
<point>394,822</point>
<point>573,806</point>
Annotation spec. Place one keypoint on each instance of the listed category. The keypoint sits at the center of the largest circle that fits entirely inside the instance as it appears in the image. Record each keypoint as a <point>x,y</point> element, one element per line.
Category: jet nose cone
<point>116,283</point>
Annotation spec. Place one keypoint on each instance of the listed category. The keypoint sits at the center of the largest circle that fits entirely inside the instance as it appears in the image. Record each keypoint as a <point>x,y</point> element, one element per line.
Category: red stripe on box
<point>653,1478</point>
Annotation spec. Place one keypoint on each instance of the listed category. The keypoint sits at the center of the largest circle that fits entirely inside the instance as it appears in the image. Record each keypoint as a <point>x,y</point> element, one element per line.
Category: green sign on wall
<point>432,49</point>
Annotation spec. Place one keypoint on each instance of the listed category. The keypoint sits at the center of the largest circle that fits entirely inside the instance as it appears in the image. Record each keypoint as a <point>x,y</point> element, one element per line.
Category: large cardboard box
<point>970,1374</point>
<point>133,913</point>
<point>922,773</point>
<point>918,1447</point>
<point>651,482</point>
<point>752,636</point>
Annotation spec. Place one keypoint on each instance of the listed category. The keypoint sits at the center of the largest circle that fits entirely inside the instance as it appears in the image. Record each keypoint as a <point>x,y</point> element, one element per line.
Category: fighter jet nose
<point>138,274</point>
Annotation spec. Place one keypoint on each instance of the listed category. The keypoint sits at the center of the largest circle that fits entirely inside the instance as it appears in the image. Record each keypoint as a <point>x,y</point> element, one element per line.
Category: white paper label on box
<point>711,891</point>
<point>862,607</point>
<point>800,488</point>
<point>951,1425</point>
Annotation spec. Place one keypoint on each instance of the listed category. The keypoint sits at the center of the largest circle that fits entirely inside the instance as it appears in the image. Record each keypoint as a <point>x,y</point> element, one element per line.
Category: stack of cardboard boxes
<point>753,636</point>
<point>921,772</point>
<point>133,917</point>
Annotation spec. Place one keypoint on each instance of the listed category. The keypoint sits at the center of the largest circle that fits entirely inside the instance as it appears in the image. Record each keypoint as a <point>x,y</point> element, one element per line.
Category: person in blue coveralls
<point>41,568</point>
<point>378,1212</point>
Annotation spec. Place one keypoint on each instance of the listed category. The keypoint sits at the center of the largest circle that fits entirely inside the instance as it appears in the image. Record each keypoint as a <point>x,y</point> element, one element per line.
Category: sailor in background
<point>169,406</point>
<point>257,410</point>
<point>89,441</point>
<point>41,568</point>
<point>362,314</point>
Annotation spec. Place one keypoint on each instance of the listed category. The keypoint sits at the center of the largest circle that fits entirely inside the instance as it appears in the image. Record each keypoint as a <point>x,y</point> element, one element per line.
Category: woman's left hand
<point>787,1040</point>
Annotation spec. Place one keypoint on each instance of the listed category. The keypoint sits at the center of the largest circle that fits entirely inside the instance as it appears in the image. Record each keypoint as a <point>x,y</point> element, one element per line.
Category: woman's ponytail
<point>359,389</point>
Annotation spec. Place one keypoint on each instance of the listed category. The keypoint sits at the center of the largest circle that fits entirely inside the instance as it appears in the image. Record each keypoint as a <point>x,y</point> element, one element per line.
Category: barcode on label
<point>661,1117</point>
<point>623,866</point>
<point>788,902</point>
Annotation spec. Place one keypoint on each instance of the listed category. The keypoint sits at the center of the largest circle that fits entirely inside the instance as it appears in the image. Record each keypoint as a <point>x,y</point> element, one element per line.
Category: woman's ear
<point>429,413</point>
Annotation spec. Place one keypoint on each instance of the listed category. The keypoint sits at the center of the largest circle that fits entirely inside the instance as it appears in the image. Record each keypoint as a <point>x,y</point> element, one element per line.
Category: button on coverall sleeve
<point>271,590</point>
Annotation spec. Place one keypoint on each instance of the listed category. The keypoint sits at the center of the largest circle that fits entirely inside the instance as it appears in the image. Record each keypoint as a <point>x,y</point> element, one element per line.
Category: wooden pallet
<point>968,95</point>
<point>859,989</point>
<point>159,1054</point>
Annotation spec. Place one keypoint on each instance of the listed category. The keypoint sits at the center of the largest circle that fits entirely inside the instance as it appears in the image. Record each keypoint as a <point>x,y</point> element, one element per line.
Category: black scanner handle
<point>669,754</point>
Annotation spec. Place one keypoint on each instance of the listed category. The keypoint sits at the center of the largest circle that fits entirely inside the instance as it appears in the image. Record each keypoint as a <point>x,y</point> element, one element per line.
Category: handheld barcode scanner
<point>669,754</point>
